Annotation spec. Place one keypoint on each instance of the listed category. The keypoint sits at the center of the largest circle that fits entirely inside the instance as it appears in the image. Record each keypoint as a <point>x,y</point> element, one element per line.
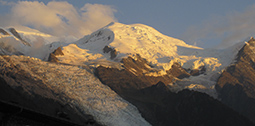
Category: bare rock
<point>236,85</point>
<point>2,31</point>
<point>57,52</point>
<point>113,52</point>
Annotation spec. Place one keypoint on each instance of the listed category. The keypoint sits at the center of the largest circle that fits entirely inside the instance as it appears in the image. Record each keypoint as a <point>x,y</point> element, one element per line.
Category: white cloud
<point>230,28</point>
<point>60,18</point>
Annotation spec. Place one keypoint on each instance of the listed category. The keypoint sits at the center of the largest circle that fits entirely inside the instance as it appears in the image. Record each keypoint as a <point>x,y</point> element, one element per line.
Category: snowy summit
<point>108,45</point>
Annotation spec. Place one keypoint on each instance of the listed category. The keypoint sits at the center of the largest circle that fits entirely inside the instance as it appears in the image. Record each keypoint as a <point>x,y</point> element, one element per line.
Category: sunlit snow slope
<point>158,49</point>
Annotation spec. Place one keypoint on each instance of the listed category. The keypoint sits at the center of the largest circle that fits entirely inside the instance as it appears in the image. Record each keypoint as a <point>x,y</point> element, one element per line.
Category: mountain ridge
<point>235,86</point>
<point>123,68</point>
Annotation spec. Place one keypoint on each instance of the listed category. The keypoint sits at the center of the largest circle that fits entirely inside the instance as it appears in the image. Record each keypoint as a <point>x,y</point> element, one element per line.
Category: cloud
<point>229,29</point>
<point>94,14</point>
<point>60,18</point>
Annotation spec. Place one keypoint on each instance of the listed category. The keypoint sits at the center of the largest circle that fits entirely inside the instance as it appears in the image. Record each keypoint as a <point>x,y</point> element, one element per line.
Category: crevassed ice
<point>82,90</point>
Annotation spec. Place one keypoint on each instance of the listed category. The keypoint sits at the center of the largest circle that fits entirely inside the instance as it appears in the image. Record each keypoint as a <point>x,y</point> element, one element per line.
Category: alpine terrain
<point>126,75</point>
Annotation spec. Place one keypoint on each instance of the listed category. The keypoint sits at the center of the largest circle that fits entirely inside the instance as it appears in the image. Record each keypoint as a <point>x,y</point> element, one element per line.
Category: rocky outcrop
<point>113,52</point>
<point>236,85</point>
<point>3,32</point>
<point>107,49</point>
<point>133,76</point>
<point>16,34</point>
<point>52,58</point>
<point>197,72</point>
<point>57,52</point>
<point>137,64</point>
<point>177,71</point>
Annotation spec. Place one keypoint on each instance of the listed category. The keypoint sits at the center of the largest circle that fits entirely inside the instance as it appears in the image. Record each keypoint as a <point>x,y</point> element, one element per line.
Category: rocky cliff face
<point>158,105</point>
<point>236,85</point>
<point>185,108</point>
<point>134,77</point>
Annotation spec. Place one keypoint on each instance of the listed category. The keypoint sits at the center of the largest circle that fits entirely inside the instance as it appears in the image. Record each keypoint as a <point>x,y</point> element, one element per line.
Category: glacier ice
<point>80,89</point>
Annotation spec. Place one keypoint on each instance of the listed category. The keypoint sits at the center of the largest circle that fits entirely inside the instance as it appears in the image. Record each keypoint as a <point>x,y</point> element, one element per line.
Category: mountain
<point>109,45</point>
<point>236,85</point>
<point>119,75</point>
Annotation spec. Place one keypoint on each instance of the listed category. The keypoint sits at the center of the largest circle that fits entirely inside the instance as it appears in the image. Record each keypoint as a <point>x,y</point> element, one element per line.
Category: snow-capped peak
<point>110,44</point>
<point>128,40</point>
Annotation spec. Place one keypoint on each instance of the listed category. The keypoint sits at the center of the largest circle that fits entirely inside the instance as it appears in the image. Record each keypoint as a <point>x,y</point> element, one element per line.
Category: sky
<point>205,23</point>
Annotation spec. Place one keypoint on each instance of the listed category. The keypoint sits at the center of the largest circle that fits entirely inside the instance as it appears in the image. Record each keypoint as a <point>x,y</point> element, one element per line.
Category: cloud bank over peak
<point>59,18</point>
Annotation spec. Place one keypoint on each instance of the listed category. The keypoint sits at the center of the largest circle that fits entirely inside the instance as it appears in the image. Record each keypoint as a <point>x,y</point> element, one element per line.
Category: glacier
<point>78,88</point>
